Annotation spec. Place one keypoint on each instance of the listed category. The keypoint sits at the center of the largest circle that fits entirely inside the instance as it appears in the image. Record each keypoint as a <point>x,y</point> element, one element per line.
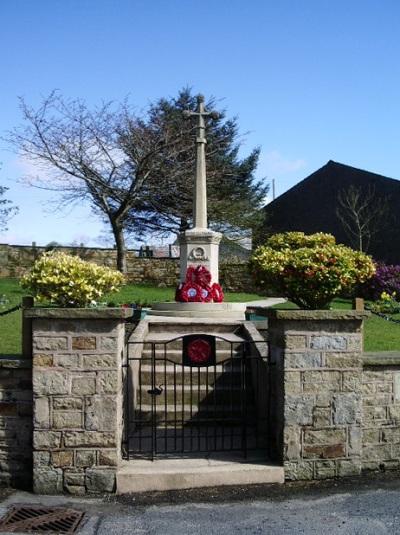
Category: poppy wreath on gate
<point>197,287</point>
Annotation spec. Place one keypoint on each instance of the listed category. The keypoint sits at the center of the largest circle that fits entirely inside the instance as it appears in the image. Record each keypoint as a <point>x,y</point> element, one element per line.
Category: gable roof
<point>310,206</point>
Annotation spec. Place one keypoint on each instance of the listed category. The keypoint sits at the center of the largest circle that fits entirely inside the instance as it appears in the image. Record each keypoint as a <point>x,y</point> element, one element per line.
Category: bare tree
<point>362,213</point>
<point>7,209</point>
<point>86,155</point>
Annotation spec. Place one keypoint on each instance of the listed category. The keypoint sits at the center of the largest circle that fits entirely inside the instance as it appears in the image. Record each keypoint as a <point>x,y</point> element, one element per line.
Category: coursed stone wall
<point>381,411</point>
<point>77,399</point>
<point>16,260</point>
<point>318,410</point>
<point>15,422</point>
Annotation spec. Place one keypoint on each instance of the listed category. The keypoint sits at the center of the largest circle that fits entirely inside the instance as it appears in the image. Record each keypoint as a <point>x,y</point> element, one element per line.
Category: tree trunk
<point>120,244</point>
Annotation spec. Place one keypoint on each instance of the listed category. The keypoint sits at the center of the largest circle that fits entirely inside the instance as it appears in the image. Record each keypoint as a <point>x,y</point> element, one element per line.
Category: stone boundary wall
<point>15,422</point>
<point>77,398</point>
<point>16,260</point>
<point>318,410</point>
<point>335,412</point>
<point>381,411</point>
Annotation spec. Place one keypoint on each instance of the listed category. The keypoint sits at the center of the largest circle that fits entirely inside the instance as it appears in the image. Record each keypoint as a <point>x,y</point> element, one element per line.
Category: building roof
<point>310,206</point>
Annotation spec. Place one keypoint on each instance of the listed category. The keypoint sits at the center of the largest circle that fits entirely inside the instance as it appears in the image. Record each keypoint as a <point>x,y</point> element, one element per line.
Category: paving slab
<point>267,302</point>
<point>162,337</point>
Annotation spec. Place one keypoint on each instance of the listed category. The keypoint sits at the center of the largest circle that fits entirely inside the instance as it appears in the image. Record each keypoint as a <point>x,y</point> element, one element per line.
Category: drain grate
<point>42,519</point>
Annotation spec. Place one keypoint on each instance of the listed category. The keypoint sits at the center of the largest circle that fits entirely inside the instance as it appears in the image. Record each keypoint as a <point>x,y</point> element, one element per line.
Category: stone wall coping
<point>79,313</point>
<point>308,315</point>
<point>384,358</point>
<point>14,362</point>
<point>260,344</point>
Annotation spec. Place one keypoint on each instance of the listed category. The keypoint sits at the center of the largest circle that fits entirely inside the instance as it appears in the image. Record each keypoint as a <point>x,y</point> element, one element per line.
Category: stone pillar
<point>318,405</point>
<point>77,398</point>
<point>199,247</point>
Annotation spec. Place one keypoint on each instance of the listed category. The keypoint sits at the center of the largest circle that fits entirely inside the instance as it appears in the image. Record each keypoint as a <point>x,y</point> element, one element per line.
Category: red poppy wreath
<point>197,287</point>
<point>190,293</point>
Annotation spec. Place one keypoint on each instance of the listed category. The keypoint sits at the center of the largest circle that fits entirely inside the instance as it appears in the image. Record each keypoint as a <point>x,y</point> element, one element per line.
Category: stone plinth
<point>199,247</point>
<point>316,382</point>
<point>234,311</point>
<point>77,398</point>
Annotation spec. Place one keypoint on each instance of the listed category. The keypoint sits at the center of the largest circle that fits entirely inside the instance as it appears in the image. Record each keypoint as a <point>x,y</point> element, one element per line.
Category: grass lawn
<point>10,325</point>
<point>379,335</point>
<point>146,294</point>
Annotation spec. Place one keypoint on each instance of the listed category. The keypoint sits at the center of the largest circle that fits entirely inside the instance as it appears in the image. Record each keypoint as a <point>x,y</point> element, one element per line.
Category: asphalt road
<point>369,506</point>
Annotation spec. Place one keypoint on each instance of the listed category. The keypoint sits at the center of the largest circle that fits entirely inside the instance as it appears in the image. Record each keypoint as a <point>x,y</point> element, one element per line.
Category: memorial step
<point>208,394</point>
<point>173,474</point>
<point>220,414</point>
<point>168,374</point>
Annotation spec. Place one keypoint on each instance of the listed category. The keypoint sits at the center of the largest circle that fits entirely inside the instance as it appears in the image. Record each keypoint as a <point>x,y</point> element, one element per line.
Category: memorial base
<point>199,310</point>
<point>199,247</point>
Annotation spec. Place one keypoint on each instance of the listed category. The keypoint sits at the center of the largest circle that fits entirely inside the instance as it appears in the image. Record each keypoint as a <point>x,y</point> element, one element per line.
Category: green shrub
<point>309,270</point>
<point>69,281</point>
<point>386,304</point>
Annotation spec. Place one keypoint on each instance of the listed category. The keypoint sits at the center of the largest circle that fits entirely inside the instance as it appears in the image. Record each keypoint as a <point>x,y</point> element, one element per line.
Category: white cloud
<point>27,169</point>
<point>275,164</point>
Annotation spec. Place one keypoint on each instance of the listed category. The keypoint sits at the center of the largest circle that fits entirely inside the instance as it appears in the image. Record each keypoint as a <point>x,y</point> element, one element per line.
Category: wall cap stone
<point>79,313</point>
<point>385,358</point>
<point>314,315</point>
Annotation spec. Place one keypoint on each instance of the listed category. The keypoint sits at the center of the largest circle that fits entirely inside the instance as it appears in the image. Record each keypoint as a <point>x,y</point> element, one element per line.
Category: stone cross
<point>200,185</point>
<point>199,245</point>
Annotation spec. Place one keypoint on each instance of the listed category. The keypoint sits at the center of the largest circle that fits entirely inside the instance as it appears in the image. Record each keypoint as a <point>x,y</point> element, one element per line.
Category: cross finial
<point>201,113</point>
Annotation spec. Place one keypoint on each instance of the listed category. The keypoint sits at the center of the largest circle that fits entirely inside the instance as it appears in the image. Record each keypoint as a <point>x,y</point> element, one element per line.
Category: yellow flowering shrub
<point>386,304</point>
<point>297,240</point>
<point>69,281</point>
<point>310,270</point>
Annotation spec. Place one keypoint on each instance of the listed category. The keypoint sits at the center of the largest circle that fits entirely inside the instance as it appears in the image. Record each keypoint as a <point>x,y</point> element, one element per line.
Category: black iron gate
<point>195,393</point>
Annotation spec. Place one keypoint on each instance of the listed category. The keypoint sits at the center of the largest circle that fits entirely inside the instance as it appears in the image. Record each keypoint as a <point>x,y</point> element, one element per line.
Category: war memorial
<point>195,394</point>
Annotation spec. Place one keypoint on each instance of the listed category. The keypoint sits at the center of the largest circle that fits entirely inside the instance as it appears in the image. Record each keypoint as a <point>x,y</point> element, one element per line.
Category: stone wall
<point>77,398</point>
<point>381,411</point>
<point>318,409</point>
<point>15,422</point>
<point>235,277</point>
<point>16,260</point>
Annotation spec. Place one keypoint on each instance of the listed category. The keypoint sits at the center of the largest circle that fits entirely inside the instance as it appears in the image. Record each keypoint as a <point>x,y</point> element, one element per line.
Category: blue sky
<point>310,80</point>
